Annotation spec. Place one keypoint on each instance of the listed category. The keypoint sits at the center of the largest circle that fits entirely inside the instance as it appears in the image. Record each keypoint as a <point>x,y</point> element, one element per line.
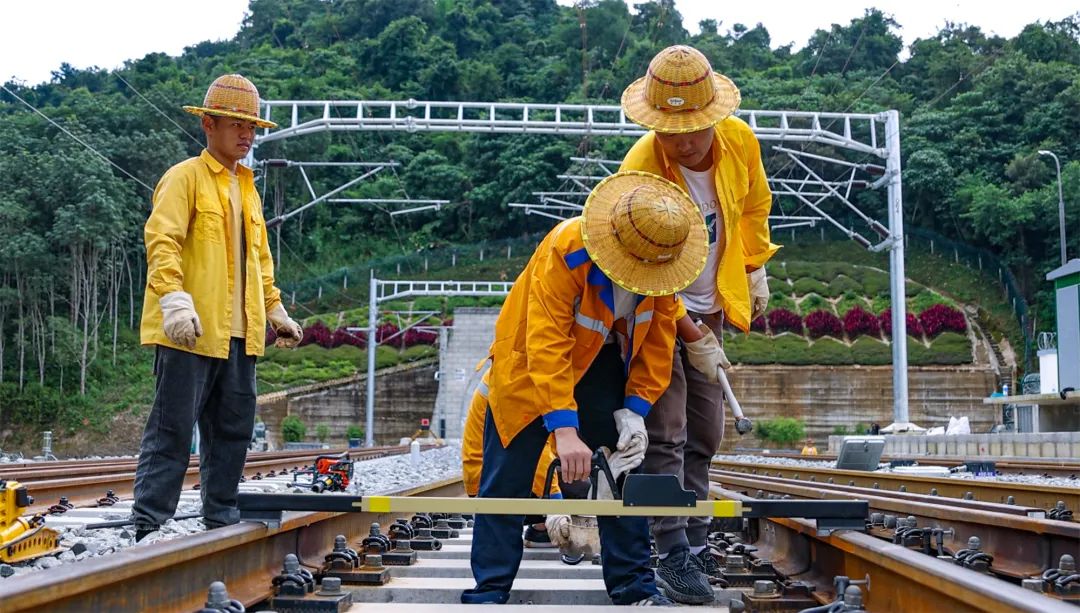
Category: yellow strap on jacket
<point>472,448</point>
<point>187,249</point>
<point>745,200</point>
<point>551,328</point>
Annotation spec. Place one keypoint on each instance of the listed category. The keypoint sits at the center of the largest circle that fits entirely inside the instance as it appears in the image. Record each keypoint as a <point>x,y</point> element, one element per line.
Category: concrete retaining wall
<point>1061,445</point>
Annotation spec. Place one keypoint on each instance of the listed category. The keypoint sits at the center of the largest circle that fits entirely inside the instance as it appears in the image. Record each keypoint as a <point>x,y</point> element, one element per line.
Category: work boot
<point>711,568</point>
<point>141,533</point>
<point>682,578</point>
<point>656,600</point>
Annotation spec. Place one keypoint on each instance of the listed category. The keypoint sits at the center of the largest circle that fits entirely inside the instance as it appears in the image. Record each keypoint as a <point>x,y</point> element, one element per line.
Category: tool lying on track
<point>22,538</point>
<point>330,473</point>
<point>642,495</point>
<point>743,425</point>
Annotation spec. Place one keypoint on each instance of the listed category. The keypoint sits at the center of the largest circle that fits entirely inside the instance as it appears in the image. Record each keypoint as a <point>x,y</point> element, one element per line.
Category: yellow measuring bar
<point>534,506</point>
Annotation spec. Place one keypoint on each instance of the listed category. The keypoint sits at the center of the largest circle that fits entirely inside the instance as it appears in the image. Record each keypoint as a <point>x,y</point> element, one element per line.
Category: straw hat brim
<point>200,111</point>
<point>638,109</point>
<point>625,270</point>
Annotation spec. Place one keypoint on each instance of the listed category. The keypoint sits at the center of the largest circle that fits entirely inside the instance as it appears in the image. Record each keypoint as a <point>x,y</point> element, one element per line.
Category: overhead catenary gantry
<point>875,135</point>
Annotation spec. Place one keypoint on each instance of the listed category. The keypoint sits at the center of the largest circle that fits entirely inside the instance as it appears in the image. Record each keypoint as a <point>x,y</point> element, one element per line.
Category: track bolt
<point>764,589</point>
<point>330,586</point>
<point>969,496</point>
<point>902,488</point>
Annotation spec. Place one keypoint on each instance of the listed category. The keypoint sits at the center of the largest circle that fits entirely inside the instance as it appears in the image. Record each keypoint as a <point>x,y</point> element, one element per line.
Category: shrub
<point>430,303</point>
<point>384,335</point>
<point>354,431</point>
<point>758,325</point>
<point>874,282</point>
<point>318,334</point>
<point>782,430</point>
<point>779,284</point>
<point>807,285</point>
<point>783,320</point>
<point>844,283</point>
<point>814,302</point>
<point>950,348</point>
<point>322,432</point>
<point>942,318</point>
<point>293,429</point>
<point>419,352</point>
<point>926,299</point>
<point>342,336</point>
<point>824,323</point>
<point>780,300</point>
<point>419,337</point>
<point>386,357</point>
<point>788,348</point>
<point>871,352</point>
<point>848,301</point>
<point>913,326</point>
<point>841,430</point>
<point>271,336</point>
<point>829,352</point>
<point>859,322</point>
<point>752,348</point>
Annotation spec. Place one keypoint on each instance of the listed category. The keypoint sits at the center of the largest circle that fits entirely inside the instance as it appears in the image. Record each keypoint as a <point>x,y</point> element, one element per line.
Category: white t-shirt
<point>701,296</point>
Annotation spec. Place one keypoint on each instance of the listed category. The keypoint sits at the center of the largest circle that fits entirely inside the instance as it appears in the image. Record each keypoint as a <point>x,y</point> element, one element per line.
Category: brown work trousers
<point>685,428</point>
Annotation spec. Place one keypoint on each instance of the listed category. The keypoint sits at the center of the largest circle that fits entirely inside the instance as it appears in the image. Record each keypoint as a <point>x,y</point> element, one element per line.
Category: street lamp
<point>1061,202</point>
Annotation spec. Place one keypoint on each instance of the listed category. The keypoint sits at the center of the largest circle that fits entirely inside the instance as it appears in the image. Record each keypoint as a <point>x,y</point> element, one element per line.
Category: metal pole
<point>1061,203</point>
<point>373,317</point>
<point>896,269</point>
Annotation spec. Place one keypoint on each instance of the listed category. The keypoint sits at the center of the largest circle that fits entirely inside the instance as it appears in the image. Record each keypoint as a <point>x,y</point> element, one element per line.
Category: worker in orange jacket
<point>695,141</point>
<point>583,348</point>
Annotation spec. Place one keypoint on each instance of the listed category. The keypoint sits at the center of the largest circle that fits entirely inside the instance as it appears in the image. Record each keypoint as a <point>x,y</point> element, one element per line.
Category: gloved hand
<point>706,355</point>
<point>179,319</point>
<point>574,535</point>
<point>633,439</point>
<point>759,292</point>
<point>289,332</point>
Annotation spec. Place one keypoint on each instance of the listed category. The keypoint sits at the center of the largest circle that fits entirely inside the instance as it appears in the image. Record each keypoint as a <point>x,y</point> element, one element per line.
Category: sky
<point>105,33</point>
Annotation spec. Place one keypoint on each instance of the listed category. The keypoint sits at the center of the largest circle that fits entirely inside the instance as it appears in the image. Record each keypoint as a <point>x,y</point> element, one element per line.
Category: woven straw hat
<point>645,233</point>
<point>680,93</point>
<point>232,95</point>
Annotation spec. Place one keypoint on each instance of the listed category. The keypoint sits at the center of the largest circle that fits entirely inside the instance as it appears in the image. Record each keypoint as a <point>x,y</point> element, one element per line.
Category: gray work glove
<point>759,292</point>
<point>706,355</point>
<point>179,319</point>
<point>289,332</point>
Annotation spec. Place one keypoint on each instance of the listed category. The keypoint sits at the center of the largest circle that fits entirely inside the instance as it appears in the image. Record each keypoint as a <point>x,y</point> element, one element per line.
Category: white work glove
<point>706,355</point>
<point>289,332</point>
<point>759,292</point>
<point>633,440</point>
<point>574,535</point>
<point>558,529</point>
<point>179,319</point>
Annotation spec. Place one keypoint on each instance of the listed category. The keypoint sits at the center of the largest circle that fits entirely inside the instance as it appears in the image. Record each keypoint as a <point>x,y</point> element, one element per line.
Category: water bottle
<point>1005,389</point>
<point>414,453</point>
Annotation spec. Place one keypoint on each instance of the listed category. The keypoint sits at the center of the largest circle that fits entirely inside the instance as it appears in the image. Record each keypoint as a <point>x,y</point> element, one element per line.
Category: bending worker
<point>695,141</point>
<point>209,293</point>
<point>582,350</point>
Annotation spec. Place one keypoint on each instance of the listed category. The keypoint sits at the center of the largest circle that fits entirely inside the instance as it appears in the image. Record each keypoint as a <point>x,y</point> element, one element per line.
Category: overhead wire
<point>159,111</point>
<point>76,138</point>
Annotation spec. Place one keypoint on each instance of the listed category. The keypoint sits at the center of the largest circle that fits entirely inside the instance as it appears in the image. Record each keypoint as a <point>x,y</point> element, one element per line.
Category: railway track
<point>1022,494</point>
<point>774,565</point>
<point>1005,465</point>
<point>83,483</point>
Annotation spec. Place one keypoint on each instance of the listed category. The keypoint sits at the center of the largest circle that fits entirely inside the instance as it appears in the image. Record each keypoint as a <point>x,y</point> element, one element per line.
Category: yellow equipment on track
<point>22,538</point>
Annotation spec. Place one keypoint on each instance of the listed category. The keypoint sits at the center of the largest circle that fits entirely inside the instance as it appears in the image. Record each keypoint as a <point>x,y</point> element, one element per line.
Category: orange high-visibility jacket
<point>745,200</point>
<point>551,328</point>
<point>472,448</point>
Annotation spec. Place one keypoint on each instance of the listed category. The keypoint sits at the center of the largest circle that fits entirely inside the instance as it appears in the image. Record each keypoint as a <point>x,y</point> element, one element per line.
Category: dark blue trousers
<point>508,473</point>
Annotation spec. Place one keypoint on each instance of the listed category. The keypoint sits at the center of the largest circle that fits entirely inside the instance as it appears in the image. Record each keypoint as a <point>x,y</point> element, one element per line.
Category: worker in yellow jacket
<point>209,294</point>
<point>695,140</point>
<point>583,348</point>
<point>472,458</point>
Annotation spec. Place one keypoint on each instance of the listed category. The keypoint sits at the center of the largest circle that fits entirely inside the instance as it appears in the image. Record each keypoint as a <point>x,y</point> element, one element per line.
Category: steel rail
<point>900,579</point>
<point>1054,467</point>
<point>1023,494</point>
<point>174,575</point>
<point>1022,546</point>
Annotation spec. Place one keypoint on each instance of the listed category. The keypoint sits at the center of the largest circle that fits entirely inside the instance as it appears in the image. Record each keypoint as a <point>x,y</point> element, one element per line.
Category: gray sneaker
<point>682,578</point>
<point>711,568</point>
<point>656,600</point>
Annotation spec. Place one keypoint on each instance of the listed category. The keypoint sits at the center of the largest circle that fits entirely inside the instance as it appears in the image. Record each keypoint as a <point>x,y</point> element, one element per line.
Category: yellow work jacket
<point>472,448</point>
<point>745,200</point>
<point>551,328</point>
<point>187,238</point>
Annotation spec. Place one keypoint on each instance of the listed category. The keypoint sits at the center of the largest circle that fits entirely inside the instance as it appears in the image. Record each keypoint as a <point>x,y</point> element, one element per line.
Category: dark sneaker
<point>682,578</point>
<point>656,600</point>
<point>711,568</point>
<point>474,597</point>
<point>141,533</point>
<point>537,539</point>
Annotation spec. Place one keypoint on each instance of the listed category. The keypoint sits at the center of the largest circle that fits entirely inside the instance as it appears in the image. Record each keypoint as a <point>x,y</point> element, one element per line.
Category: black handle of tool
<point>555,464</point>
<point>600,465</point>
